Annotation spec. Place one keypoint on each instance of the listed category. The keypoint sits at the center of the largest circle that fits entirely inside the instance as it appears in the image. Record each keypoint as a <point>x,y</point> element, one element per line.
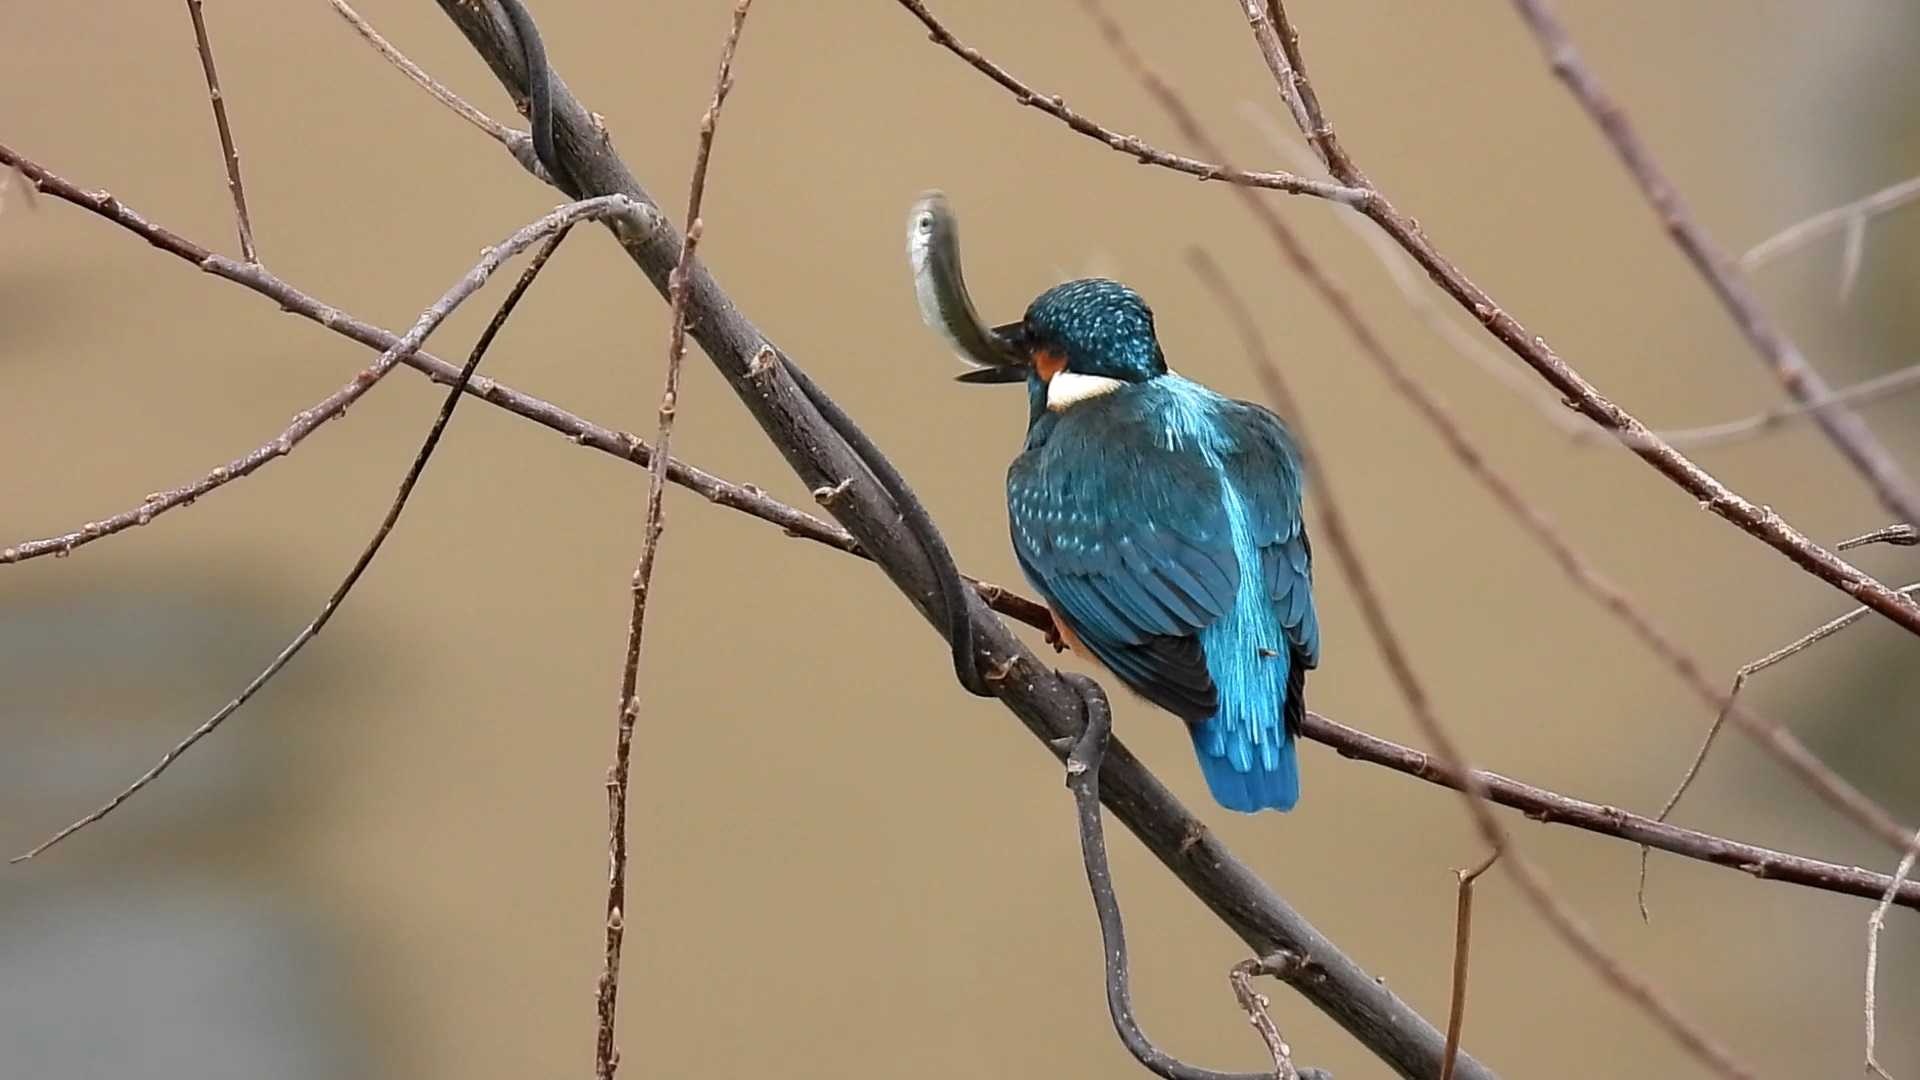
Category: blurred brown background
<point>392,864</point>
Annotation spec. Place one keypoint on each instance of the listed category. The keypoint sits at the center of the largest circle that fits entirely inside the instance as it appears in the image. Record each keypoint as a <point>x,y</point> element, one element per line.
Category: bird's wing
<point>1263,463</point>
<point>1130,543</point>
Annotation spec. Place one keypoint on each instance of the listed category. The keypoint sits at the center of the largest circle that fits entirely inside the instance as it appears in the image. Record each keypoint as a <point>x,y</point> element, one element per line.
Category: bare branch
<point>1462,938</point>
<point>556,225</point>
<point>1874,923</point>
<point>1551,807</point>
<point>1900,535</point>
<point>1132,146</point>
<point>494,129</point>
<point>1880,386</point>
<point>229,155</point>
<point>606,1005</point>
<point>1850,218</point>
<point>1255,1004</point>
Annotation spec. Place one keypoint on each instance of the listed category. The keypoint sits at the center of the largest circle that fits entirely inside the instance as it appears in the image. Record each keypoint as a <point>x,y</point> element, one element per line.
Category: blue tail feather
<point>1240,776</point>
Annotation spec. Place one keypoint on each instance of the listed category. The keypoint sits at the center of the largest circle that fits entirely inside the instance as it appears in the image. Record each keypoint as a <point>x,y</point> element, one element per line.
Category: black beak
<point>1010,356</point>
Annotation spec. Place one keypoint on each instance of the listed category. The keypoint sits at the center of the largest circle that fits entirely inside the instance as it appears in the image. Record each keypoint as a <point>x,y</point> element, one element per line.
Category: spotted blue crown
<point>1103,327</point>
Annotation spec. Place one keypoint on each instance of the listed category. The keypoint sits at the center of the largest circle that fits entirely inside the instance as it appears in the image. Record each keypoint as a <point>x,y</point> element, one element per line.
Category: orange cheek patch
<point>1049,363</point>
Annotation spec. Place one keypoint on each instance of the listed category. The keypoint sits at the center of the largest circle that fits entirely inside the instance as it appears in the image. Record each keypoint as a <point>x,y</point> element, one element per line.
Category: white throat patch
<point>1068,389</point>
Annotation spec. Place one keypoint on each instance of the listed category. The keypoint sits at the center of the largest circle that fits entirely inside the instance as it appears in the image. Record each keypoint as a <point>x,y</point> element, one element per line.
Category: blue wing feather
<point>1122,535</point>
<point>1138,515</point>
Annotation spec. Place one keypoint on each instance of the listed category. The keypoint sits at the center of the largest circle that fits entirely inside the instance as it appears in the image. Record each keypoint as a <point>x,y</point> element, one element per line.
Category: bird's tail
<point>1243,774</point>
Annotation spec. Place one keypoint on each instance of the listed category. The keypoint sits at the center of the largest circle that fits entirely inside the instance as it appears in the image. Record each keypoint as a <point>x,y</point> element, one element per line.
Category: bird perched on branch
<point>1158,519</point>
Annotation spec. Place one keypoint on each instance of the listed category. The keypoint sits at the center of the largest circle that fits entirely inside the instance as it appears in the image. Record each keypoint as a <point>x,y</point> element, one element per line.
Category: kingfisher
<point>1161,522</point>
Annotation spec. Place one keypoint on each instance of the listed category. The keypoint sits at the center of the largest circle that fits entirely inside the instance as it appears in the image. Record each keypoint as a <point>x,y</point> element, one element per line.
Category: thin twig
<point>1850,217</point>
<point>1278,42</point>
<point>1132,146</point>
<point>1713,731</point>
<point>1899,535</point>
<point>229,155</point>
<point>1874,922</point>
<point>1462,938</point>
<point>1255,1004</point>
<point>517,143</point>
<point>1801,380</point>
<point>1084,762</point>
<point>606,1056</point>
<point>1880,386</point>
<point>554,225</point>
<point>494,129</point>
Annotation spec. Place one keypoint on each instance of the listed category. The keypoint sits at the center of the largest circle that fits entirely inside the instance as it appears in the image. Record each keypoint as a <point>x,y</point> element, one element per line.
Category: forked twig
<point>1851,217</point>
<point>228,155</point>
<point>1255,1005</point>
<point>517,143</point>
<point>1462,938</point>
<point>1733,692</point>
<point>1874,922</point>
<point>1893,382</point>
<point>606,1003</point>
<point>1056,106</point>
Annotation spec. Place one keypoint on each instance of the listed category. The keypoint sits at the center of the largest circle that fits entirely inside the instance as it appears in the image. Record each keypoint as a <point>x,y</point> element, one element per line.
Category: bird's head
<point>1079,340</point>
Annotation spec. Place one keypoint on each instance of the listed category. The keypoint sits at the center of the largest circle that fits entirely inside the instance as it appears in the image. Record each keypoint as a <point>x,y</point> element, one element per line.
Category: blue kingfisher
<point>1161,523</point>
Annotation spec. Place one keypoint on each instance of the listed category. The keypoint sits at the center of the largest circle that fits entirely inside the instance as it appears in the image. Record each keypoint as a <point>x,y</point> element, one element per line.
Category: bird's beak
<point>1011,361</point>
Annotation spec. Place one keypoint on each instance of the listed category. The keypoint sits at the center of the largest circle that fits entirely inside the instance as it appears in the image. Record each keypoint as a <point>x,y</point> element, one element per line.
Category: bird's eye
<point>925,223</point>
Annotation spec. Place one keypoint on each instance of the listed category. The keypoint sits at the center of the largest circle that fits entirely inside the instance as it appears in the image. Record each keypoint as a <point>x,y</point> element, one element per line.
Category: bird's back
<point>1162,523</point>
